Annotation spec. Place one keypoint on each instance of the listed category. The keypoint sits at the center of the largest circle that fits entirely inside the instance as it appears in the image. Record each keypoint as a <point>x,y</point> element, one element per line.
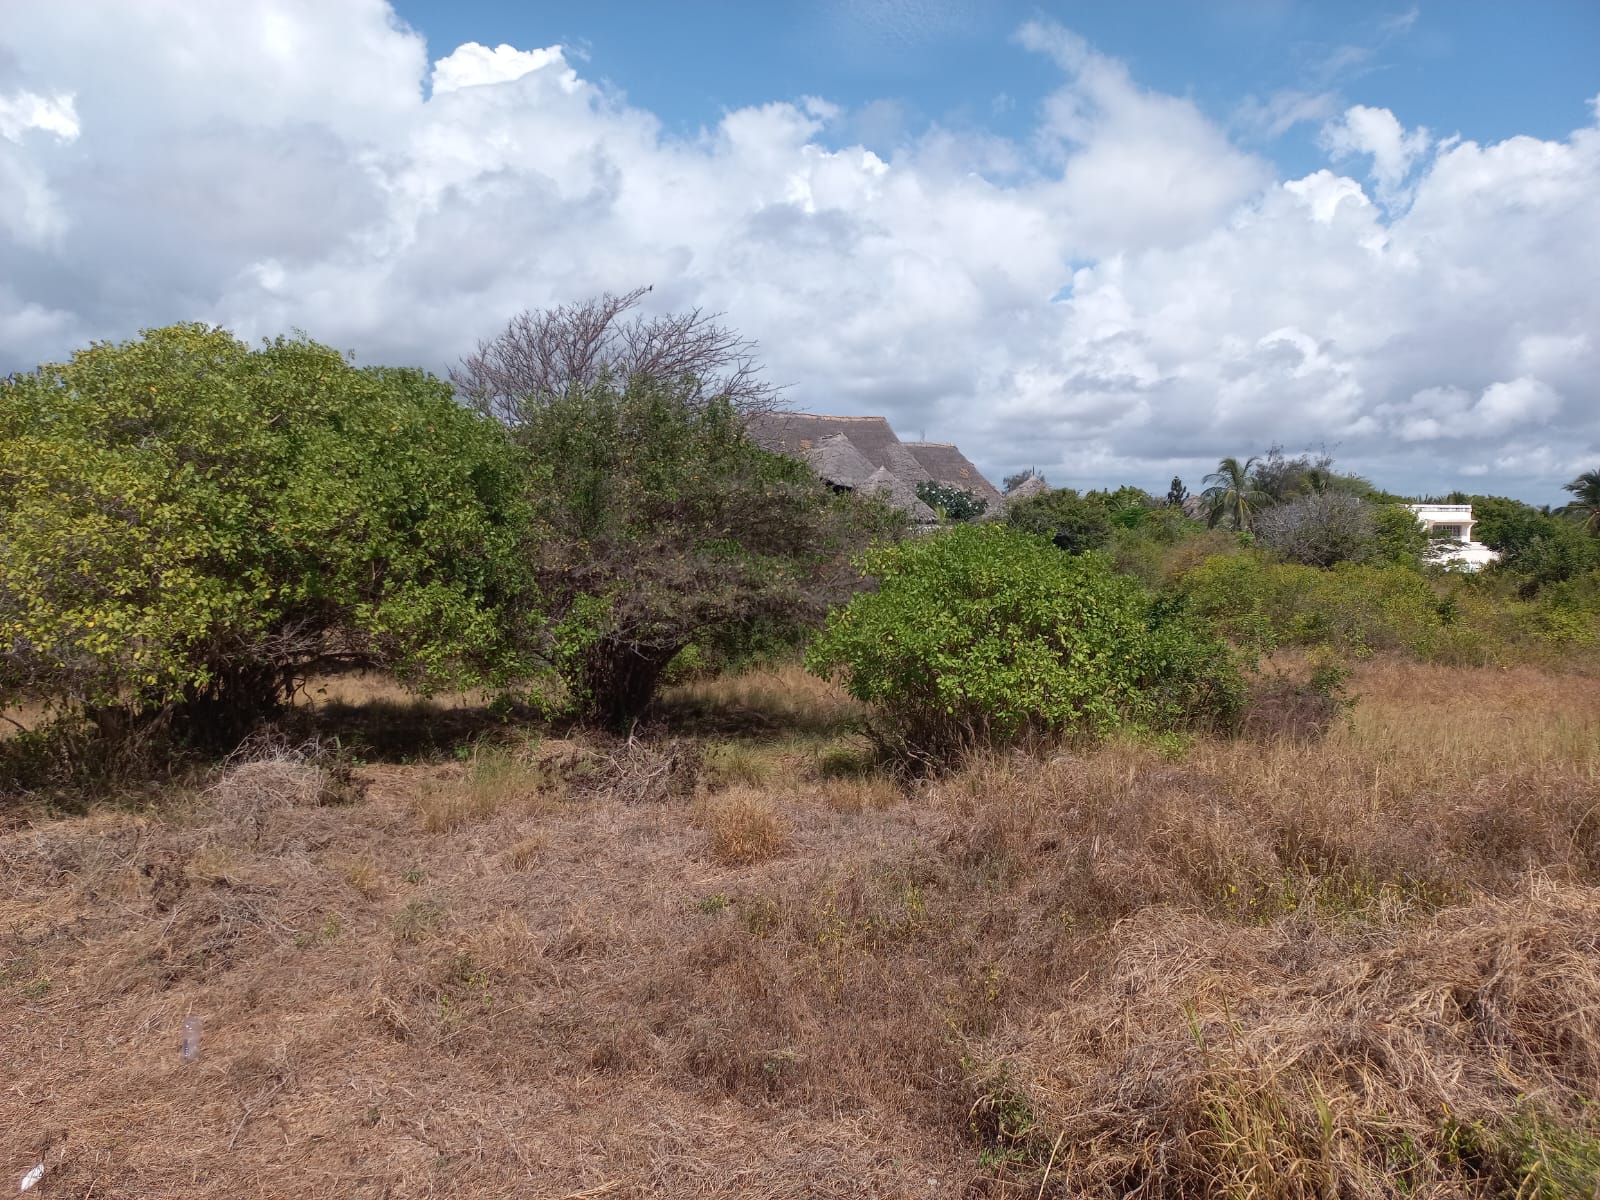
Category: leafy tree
<point>1176,493</point>
<point>1585,504</point>
<point>546,352</point>
<point>1281,478</point>
<point>1074,523</point>
<point>1320,529</point>
<point>1538,546</point>
<point>189,526</point>
<point>1232,495</point>
<point>951,503</point>
<point>985,635</point>
<point>1397,536</point>
<point>661,523</point>
<point>1127,506</point>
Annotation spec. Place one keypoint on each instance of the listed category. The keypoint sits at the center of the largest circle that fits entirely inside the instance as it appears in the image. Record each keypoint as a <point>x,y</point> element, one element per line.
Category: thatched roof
<point>899,459</point>
<point>948,466</point>
<point>900,494</point>
<point>797,433</point>
<point>836,459</point>
<point>1027,489</point>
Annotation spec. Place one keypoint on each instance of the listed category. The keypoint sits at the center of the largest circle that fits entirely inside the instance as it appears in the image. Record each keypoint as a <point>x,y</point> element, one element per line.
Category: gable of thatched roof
<point>836,459</point>
<point>796,434</point>
<point>899,459</point>
<point>948,466</point>
<point>900,494</point>
<point>1032,486</point>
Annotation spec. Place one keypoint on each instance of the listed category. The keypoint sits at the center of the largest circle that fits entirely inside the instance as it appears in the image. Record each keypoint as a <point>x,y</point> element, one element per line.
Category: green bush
<point>1364,609</point>
<point>1074,523</point>
<point>989,636</point>
<point>1354,609</point>
<point>951,504</point>
<point>188,526</point>
<point>661,523</point>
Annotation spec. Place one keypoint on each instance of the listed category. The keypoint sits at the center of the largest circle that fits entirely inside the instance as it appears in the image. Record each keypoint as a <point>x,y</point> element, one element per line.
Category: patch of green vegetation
<point>985,636</point>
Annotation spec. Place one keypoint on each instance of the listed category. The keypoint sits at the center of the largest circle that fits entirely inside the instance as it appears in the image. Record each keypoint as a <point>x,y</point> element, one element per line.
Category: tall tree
<point>1586,500</point>
<point>1231,493</point>
<point>544,354</point>
<point>189,527</point>
<point>659,521</point>
<point>1176,493</point>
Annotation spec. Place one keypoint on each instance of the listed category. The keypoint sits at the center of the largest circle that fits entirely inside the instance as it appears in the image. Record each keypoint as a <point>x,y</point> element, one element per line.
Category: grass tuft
<point>742,827</point>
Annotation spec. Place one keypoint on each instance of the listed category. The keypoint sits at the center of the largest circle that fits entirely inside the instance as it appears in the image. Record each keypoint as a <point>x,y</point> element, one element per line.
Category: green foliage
<point>660,523</point>
<point>1354,609</point>
<point>1232,496</point>
<point>1074,523</point>
<point>1398,537</point>
<point>1584,507</point>
<point>188,526</point>
<point>952,504</point>
<point>1361,609</point>
<point>1537,547</point>
<point>986,635</point>
<point>1126,506</point>
<point>1550,1159</point>
<point>1176,493</point>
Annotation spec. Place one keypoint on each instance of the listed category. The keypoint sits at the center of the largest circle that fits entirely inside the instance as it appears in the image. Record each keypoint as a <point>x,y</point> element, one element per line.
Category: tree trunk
<point>620,681</point>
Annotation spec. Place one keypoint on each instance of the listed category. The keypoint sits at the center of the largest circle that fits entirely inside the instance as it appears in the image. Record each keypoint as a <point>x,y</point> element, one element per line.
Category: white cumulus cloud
<point>1122,295</point>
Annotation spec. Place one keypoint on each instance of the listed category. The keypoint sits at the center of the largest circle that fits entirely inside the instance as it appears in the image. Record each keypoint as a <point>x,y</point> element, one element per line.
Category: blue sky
<point>1112,241</point>
<point>1484,69</point>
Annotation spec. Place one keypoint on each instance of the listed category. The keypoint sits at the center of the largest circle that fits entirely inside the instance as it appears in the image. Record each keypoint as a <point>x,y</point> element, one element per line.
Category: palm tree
<point>1232,494</point>
<point>1586,507</point>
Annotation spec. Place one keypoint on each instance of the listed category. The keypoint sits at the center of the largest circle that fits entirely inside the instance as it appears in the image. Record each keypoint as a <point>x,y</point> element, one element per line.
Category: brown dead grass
<point>1349,967</point>
<point>786,700</point>
<point>742,826</point>
<point>491,778</point>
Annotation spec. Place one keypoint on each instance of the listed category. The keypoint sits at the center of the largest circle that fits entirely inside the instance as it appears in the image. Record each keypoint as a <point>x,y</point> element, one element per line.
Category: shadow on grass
<point>397,731</point>
<point>761,705</point>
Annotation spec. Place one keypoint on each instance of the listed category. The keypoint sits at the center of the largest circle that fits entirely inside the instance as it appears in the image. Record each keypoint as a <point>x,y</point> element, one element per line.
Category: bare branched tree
<point>1319,529</point>
<point>543,354</point>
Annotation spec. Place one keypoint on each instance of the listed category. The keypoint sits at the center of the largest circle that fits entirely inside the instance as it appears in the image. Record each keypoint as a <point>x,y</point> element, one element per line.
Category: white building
<point>1453,522</point>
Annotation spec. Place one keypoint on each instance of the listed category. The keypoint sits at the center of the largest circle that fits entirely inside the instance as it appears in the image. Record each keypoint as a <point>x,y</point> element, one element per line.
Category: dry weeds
<point>742,826</point>
<point>1361,966</point>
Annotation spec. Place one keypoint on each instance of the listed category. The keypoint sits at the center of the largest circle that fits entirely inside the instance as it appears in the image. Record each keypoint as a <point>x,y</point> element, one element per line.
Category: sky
<point>1112,242</point>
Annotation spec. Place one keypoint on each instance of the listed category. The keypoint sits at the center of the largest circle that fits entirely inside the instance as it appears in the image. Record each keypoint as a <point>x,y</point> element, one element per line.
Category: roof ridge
<point>783,413</point>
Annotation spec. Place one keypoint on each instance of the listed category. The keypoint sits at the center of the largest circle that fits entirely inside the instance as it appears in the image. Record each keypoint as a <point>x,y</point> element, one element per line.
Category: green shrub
<point>189,526</point>
<point>1074,523</point>
<point>988,636</point>
<point>1364,609</point>
<point>661,523</point>
<point>952,504</point>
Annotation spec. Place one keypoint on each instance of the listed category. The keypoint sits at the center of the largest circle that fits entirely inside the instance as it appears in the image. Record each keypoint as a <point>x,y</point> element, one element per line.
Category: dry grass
<point>1365,966</point>
<point>785,699</point>
<point>728,763</point>
<point>742,826</point>
<point>490,779</point>
<point>21,718</point>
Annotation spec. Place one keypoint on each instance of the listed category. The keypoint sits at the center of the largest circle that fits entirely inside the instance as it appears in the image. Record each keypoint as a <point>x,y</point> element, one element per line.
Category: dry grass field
<point>734,958</point>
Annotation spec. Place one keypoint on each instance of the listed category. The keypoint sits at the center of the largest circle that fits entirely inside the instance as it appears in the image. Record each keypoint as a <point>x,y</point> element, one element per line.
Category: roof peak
<point>780,414</point>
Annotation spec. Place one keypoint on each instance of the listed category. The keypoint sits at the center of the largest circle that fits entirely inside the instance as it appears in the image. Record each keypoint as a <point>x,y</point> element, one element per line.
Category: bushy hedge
<point>989,636</point>
<point>189,525</point>
<point>1362,609</point>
